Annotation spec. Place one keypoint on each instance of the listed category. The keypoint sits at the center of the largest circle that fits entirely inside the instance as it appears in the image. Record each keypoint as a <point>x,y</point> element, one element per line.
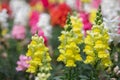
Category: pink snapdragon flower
<point>41,33</point>
<point>18,32</point>
<point>118,30</point>
<point>86,23</point>
<point>23,63</point>
<point>34,18</point>
<point>45,3</point>
<point>96,3</point>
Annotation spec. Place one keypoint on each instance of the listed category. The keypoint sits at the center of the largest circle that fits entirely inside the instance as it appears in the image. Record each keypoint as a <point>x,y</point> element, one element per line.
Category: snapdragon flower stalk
<point>96,46</point>
<point>40,59</point>
<point>69,50</point>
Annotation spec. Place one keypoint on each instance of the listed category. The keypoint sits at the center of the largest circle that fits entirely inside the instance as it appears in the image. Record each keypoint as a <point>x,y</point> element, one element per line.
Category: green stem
<point>70,74</point>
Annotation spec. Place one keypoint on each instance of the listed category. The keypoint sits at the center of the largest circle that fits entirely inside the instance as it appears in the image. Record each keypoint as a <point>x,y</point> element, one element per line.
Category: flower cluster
<point>23,63</point>
<point>44,24</point>
<point>39,55</point>
<point>62,11</point>
<point>18,32</point>
<point>3,22</point>
<point>96,44</point>
<point>85,20</point>
<point>69,50</point>
<point>20,10</point>
<point>112,10</point>
<point>3,18</point>
<point>113,29</point>
<point>34,20</point>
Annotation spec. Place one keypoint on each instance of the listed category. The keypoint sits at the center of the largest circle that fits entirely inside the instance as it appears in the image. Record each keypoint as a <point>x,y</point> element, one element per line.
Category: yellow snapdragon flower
<point>86,1</point>
<point>96,44</point>
<point>69,50</point>
<point>38,53</point>
<point>92,15</point>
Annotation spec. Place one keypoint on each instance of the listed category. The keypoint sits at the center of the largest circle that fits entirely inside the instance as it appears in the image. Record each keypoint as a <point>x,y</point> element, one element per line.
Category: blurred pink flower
<point>45,3</point>
<point>41,33</point>
<point>78,5</point>
<point>23,63</point>
<point>34,18</point>
<point>96,3</point>
<point>86,23</point>
<point>18,32</point>
<point>118,30</point>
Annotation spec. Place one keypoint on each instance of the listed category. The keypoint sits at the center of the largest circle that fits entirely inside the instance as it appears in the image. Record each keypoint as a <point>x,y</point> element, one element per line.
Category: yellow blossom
<point>96,44</point>
<point>86,1</point>
<point>92,15</point>
<point>89,59</point>
<point>69,50</point>
<point>70,63</point>
<point>38,53</point>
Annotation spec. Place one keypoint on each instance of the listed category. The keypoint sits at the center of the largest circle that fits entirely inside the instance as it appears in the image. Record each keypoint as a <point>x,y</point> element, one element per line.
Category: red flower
<point>59,14</point>
<point>6,6</point>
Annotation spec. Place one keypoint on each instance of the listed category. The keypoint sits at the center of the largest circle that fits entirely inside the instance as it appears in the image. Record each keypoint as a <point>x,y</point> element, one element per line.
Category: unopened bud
<point>118,73</point>
<point>116,57</point>
<point>4,55</point>
<point>116,69</point>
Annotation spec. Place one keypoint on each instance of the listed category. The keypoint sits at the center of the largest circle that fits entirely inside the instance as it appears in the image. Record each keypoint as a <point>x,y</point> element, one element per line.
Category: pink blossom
<point>23,63</point>
<point>45,3</point>
<point>41,33</point>
<point>118,30</point>
<point>96,3</point>
<point>34,18</point>
<point>18,32</point>
<point>86,23</point>
<point>78,5</point>
<point>34,29</point>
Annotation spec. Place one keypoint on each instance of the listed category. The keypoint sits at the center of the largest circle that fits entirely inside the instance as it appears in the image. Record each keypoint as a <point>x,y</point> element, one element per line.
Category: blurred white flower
<point>71,3</point>
<point>110,8</point>
<point>44,23</point>
<point>20,11</point>
<point>112,26</point>
<point>22,16</point>
<point>42,76</point>
<point>16,5</point>
<point>3,18</point>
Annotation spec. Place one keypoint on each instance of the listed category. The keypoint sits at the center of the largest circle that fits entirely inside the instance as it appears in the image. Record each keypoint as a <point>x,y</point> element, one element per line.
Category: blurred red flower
<point>5,5</point>
<point>59,14</point>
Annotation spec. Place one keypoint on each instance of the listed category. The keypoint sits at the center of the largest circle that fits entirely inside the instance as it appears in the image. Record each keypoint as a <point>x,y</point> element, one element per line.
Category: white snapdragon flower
<point>110,8</point>
<point>71,3</point>
<point>44,23</point>
<point>16,5</point>
<point>20,11</point>
<point>112,26</point>
<point>22,16</point>
<point>3,18</point>
<point>42,76</point>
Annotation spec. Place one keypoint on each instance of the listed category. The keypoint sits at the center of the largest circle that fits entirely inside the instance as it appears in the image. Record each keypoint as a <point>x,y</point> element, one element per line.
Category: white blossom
<point>20,11</point>
<point>112,26</point>
<point>110,8</point>
<point>42,76</point>
<point>3,18</point>
<point>44,23</point>
<point>71,3</point>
